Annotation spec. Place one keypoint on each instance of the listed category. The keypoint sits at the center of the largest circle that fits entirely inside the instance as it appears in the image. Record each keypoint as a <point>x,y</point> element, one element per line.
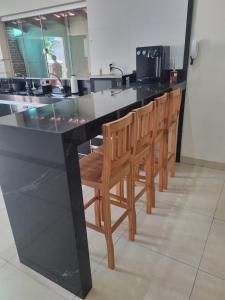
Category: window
<point>50,44</point>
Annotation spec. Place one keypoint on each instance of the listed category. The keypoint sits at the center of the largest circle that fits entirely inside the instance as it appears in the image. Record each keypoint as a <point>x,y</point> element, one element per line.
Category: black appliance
<point>5,86</point>
<point>153,64</point>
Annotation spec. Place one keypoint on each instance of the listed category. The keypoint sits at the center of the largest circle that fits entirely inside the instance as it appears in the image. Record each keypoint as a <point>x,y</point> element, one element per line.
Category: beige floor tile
<point>2,203</point>
<point>208,287</point>
<point>142,274</point>
<point>195,172</point>
<point>9,253</point>
<point>15,285</point>
<point>203,181</point>
<point>2,262</point>
<point>213,258</point>
<point>180,234</point>
<point>6,237</point>
<point>220,211</point>
<point>202,184</point>
<point>193,188</point>
<point>201,202</point>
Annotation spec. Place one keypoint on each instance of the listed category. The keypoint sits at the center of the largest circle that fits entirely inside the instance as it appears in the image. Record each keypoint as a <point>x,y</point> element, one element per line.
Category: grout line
<point>167,256</point>
<point>219,220</point>
<point>207,239</point>
<point>2,258</point>
<point>202,167</point>
<point>212,275</point>
<point>4,263</point>
<point>179,209</point>
<point>11,257</point>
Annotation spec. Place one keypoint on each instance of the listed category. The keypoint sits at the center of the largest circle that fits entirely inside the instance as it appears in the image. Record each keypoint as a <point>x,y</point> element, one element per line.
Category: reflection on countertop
<point>65,115</point>
<point>29,100</point>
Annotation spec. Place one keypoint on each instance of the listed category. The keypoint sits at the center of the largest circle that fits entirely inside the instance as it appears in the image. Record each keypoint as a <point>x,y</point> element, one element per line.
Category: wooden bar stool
<point>161,119</point>
<point>171,134</point>
<point>102,171</point>
<point>143,153</point>
<point>157,154</point>
<point>142,156</point>
<point>150,126</point>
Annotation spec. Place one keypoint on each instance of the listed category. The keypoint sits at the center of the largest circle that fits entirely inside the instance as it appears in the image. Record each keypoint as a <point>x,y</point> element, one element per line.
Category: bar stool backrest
<point>144,127</point>
<point>174,106</point>
<point>118,144</point>
<point>161,119</point>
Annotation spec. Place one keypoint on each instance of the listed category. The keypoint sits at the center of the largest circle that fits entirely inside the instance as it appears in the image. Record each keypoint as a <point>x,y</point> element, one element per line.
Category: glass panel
<point>78,39</point>
<point>33,46</point>
<point>56,45</point>
<point>15,42</point>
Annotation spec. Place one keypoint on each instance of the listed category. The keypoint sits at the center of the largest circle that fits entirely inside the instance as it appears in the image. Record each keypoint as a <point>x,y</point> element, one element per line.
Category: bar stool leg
<point>161,164</point>
<point>97,209</point>
<point>150,182</point>
<point>148,186</point>
<point>165,161</point>
<point>173,152</point>
<point>133,180</point>
<point>108,229</point>
<point>131,207</point>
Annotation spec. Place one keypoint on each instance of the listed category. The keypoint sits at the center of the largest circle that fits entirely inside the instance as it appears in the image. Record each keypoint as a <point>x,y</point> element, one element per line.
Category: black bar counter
<point>40,178</point>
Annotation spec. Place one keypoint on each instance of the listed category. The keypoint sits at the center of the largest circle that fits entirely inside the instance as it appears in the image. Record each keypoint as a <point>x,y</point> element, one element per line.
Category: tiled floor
<point>178,253</point>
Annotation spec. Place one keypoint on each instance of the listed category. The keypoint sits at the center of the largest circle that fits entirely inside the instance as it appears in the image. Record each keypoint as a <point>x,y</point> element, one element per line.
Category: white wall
<point>204,126</point>
<point>10,7</point>
<point>117,27</point>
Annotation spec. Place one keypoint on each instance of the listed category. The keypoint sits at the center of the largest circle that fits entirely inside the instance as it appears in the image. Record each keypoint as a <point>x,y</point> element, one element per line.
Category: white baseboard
<point>203,163</point>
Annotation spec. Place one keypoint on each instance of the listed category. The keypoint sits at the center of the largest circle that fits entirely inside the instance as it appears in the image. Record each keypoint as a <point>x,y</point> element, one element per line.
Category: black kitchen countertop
<point>64,116</point>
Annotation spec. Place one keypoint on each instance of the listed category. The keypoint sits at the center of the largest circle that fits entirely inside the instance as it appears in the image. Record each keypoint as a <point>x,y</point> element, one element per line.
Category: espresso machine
<point>153,64</point>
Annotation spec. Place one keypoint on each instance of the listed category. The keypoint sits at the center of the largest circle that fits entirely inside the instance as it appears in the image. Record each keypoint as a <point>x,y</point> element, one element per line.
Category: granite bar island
<point>40,179</point>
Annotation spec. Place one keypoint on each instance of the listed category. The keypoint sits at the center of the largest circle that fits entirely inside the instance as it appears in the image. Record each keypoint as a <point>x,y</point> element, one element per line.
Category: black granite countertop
<point>69,114</point>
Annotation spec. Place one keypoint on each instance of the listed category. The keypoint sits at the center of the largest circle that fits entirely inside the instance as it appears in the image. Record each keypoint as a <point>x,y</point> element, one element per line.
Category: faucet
<point>27,86</point>
<point>60,80</point>
<point>20,75</point>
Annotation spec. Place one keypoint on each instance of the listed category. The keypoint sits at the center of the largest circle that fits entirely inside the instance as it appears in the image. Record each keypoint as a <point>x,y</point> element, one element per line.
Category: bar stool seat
<point>91,169</point>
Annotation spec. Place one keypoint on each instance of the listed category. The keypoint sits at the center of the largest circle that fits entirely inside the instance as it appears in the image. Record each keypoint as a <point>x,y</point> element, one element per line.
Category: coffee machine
<point>153,64</point>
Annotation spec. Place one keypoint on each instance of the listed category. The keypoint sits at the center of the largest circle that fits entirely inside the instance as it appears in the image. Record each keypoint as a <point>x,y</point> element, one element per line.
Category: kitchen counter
<point>69,114</point>
<point>40,178</point>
